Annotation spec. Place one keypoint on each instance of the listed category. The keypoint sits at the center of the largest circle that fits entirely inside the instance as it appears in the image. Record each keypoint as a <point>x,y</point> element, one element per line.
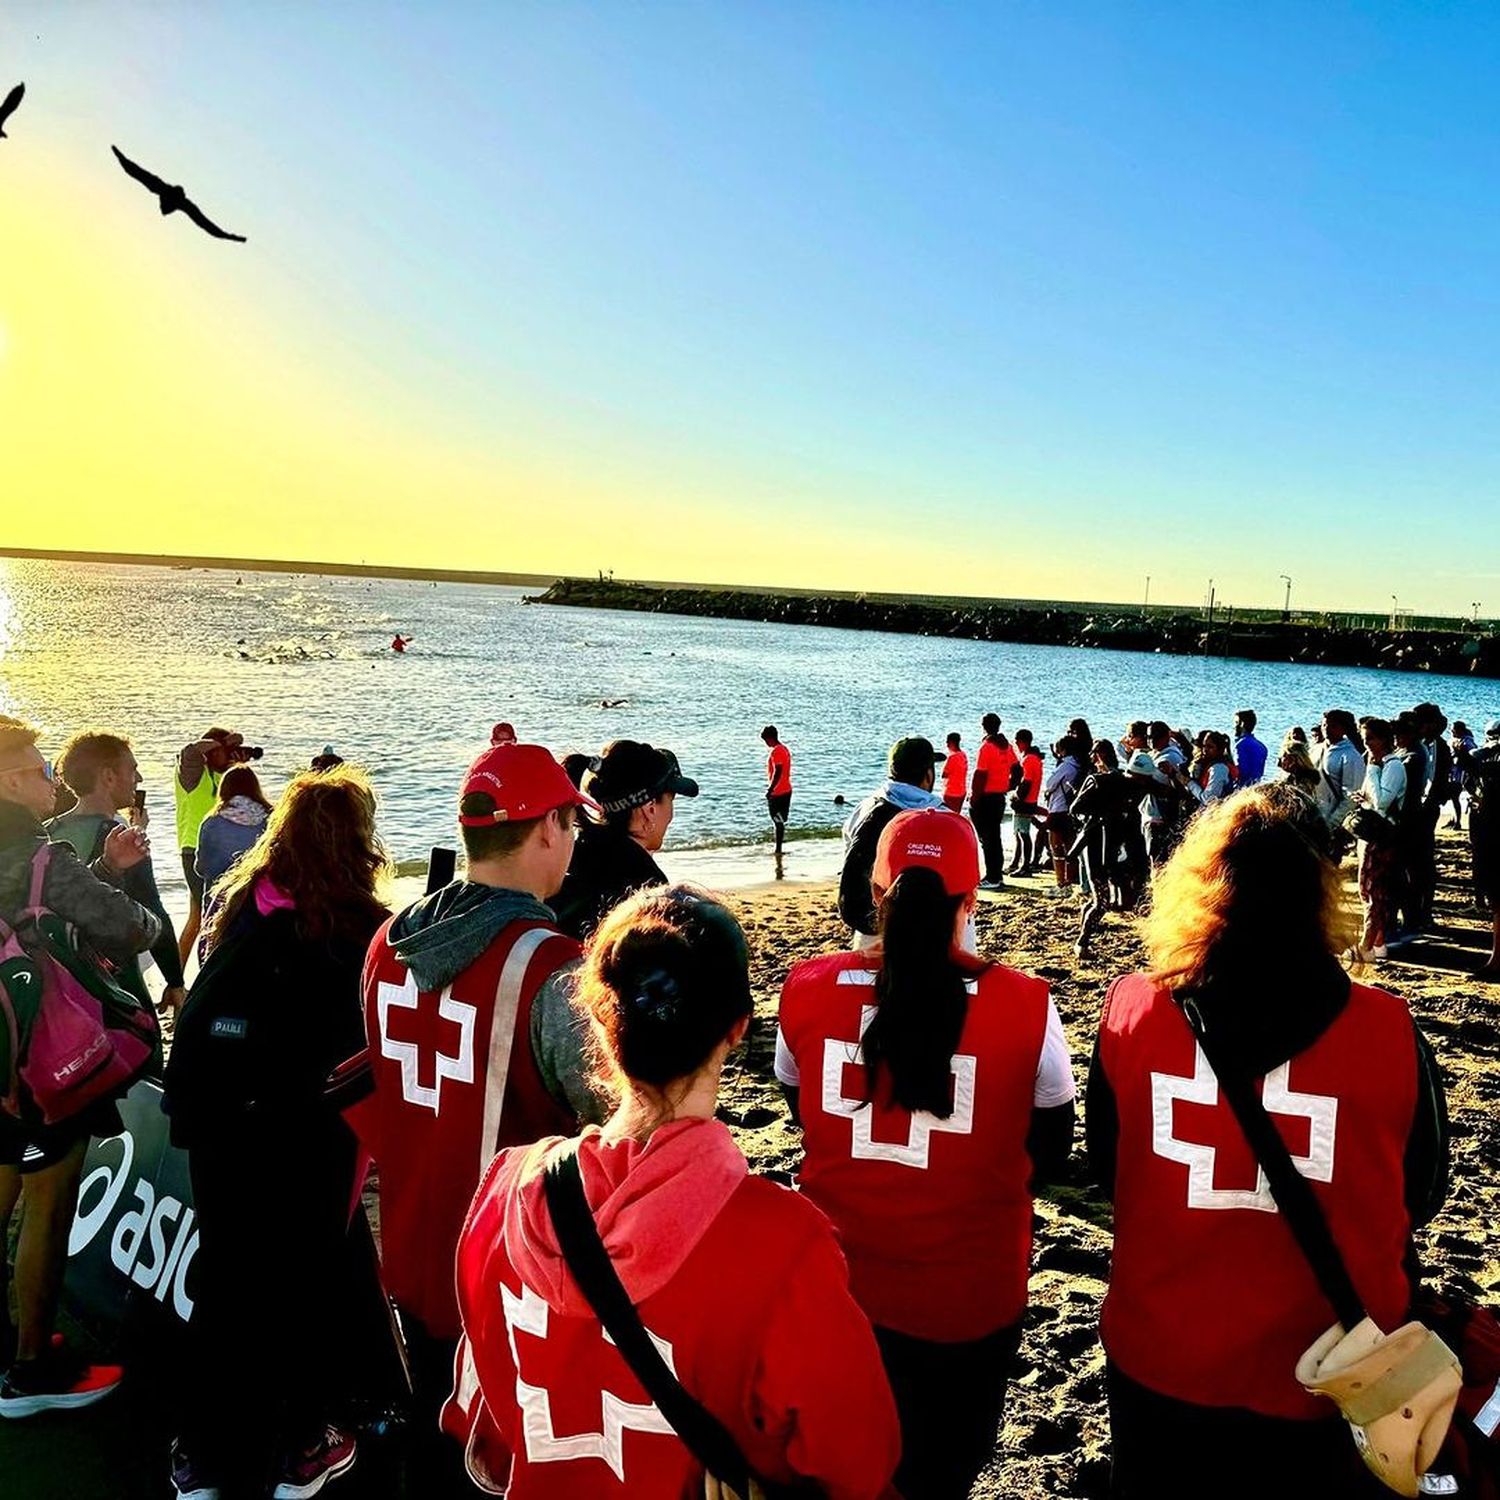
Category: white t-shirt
<point>1054,1072</point>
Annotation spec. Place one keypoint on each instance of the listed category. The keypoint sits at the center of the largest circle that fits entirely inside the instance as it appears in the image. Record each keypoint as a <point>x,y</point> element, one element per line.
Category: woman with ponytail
<point>937,1086</point>
<point>738,1281</point>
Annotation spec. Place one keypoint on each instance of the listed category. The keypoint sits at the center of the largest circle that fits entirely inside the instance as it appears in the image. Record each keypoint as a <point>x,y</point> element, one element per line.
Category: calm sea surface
<point>297,661</point>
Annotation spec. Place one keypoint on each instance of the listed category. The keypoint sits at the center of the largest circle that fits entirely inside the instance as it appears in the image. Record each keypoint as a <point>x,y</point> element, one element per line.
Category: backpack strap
<point>41,862</point>
<point>1293,1194</point>
<point>706,1437</point>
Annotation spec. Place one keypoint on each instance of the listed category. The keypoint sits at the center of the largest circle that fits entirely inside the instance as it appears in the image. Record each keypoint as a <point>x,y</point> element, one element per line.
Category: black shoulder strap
<point>578,1236</point>
<point>1294,1197</point>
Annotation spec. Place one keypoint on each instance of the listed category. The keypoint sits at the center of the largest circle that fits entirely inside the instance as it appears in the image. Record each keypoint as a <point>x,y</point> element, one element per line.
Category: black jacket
<point>268,1018</point>
<point>607,866</point>
<point>109,923</point>
<point>856,900</point>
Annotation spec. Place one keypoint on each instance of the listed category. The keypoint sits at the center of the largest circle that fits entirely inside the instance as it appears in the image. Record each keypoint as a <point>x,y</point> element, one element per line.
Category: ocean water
<point>295,661</point>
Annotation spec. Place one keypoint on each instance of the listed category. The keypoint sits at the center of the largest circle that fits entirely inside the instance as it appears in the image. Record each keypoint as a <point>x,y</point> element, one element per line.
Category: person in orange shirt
<point>778,782</point>
<point>1033,772</point>
<point>955,775</point>
<point>992,781</point>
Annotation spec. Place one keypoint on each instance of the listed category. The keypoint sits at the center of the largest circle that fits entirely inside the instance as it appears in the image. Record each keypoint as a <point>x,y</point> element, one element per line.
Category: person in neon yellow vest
<point>195,786</point>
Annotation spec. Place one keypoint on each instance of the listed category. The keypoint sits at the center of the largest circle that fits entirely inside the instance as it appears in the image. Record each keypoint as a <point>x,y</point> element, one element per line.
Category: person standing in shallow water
<point>778,782</point>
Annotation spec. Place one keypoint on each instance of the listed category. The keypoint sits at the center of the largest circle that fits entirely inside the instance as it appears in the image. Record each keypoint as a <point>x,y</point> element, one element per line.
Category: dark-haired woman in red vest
<point>738,1281</point>
<point>930,1085</point>
<point>1211,1302</point>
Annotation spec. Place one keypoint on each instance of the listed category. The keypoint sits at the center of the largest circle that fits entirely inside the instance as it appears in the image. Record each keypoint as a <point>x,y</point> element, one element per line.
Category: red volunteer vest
<point>1210,1300</point>
<point>544,1399</point>
<point>934,1215</point>
<point>453,1084</point>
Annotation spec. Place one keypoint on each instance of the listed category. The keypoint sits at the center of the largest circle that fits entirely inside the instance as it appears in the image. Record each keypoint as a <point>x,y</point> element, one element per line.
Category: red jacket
<point>455,1080</point>
<point>934,1215</point>
<point>1210,1300</point>
<point>739,1282</point>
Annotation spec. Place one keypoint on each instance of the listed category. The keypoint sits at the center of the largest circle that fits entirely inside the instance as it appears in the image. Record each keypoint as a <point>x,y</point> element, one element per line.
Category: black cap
<point>912,758</point>
<point>630,774</point>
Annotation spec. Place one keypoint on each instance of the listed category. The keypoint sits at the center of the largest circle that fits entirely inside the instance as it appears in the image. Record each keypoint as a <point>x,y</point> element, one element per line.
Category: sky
<point>1013,299</point>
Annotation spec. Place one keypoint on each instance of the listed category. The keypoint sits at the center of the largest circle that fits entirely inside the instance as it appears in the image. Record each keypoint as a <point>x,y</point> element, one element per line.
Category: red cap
<point>932,839</point>
<point>523,781</point>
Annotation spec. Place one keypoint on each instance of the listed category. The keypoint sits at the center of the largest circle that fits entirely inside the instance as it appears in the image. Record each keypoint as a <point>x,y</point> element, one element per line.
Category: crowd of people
<point>595,1295</point>
<point>1108,813</point>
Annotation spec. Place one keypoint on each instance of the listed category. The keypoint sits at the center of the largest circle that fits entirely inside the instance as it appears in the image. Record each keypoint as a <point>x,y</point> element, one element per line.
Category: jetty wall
<point>1456,652</point>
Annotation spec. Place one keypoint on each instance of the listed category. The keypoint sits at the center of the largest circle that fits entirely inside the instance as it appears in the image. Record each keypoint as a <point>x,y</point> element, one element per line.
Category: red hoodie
<point>743,1289</point>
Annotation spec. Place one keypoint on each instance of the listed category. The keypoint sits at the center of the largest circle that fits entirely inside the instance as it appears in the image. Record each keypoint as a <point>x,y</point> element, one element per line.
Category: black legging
<point>1164,1449</point>
<point>272,1296</point>
<point>950,1399</point>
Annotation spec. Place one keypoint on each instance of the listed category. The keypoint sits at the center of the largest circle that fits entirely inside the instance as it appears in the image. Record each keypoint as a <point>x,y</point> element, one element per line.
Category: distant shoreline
<point>1466,651</point>
<point>284,565</point>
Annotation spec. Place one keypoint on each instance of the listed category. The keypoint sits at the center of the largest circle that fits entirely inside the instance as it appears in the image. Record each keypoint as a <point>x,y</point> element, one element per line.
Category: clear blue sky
<point>1007,298</point>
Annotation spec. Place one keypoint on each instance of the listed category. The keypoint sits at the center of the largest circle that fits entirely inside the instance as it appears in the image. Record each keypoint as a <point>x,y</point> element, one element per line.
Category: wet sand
<point>1056,1436</point>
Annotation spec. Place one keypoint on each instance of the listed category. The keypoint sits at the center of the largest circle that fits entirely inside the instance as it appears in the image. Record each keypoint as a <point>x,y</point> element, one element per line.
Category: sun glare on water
<point>7,617</point>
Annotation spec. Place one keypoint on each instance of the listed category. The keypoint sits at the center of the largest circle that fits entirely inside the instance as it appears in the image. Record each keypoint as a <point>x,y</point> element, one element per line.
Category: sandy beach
<point>1056,1434</point>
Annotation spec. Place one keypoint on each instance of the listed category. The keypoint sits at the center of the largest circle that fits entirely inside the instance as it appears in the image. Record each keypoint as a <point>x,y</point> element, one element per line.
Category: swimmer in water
<point>400,642</point>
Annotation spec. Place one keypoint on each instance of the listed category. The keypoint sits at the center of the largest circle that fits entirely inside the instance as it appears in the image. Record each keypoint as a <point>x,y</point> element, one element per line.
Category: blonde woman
<point>1211,1301</point>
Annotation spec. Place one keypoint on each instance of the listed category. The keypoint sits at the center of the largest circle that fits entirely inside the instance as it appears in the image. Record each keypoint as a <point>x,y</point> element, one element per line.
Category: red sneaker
<point>59,1381</point>
<point>304,1474</point>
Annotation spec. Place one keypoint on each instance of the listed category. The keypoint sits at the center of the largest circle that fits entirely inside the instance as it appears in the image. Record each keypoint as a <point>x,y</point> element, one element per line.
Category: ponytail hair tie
<point>657,996</point>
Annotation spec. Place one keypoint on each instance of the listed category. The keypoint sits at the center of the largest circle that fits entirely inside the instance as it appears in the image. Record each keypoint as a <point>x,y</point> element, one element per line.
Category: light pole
<point>1474,605</point>
<point>1286,608</point>
<point>1146,607</point>
<point>1395,609</point>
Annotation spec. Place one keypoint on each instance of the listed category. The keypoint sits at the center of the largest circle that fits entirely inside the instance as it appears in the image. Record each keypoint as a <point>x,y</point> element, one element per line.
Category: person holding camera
<point>195,789</point>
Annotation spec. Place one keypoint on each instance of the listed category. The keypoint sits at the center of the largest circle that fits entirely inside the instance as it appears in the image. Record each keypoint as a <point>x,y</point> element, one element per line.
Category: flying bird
<point>173,198</point>
<point>12,102</point>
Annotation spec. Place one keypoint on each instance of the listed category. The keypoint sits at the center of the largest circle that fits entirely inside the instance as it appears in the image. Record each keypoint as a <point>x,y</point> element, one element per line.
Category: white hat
<point>1492,730</point>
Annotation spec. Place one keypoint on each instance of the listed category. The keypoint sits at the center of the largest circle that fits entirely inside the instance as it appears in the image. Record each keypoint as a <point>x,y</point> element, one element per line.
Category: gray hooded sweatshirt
<point>441,935</point>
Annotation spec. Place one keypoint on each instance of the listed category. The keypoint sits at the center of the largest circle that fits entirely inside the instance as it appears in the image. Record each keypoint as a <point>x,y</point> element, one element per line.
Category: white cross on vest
<point>1319,1110</point>
<point>459,1065</point>
<point>913,1152</point>
<point>529,1313</point>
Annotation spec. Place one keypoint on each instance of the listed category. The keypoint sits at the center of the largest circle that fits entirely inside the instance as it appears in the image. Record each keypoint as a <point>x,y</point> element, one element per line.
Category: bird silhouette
<point>173,199</point>
<point>12,102</point>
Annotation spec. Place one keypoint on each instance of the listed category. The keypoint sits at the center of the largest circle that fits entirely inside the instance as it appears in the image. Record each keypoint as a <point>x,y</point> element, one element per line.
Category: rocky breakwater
<point>1455,652</point>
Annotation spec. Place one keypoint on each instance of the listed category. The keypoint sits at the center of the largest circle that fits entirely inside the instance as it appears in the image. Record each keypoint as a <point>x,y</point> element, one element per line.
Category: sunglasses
<point>46,770</point>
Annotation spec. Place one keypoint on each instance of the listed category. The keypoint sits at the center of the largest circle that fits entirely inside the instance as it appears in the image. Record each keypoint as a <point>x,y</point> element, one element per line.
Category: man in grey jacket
<point>48,1160</point>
